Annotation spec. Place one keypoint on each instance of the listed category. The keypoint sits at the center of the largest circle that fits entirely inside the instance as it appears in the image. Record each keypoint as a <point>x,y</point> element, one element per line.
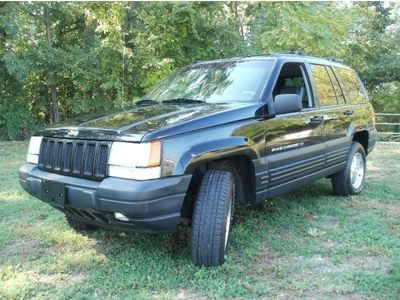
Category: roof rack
<point>258,54</point>
<point>295,52</point>
<point>300,53</point>
<point>334,59</point>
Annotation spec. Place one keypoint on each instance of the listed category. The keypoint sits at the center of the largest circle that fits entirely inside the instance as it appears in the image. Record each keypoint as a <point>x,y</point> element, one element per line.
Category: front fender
<point>214,150</point>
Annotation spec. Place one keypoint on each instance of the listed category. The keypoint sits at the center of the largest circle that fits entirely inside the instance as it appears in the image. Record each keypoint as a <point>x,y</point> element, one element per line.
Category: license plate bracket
<point>53,192</point>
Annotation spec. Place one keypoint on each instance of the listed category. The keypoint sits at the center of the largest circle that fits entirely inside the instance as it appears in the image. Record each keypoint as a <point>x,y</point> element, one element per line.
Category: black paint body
<point>283,152</point>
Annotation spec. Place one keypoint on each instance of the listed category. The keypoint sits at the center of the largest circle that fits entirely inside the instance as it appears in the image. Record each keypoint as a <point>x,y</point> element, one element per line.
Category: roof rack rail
<point>334,59</point>
<point>258,54</point>
<point>296,52</point>
<point>278,53</point>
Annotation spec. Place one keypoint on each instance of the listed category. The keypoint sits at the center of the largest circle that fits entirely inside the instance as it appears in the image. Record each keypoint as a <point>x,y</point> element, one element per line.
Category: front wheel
<point>212,216</point>
<point>350,181</point>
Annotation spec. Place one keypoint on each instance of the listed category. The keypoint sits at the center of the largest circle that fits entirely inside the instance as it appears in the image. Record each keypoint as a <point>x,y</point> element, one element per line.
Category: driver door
<point>295,150</point>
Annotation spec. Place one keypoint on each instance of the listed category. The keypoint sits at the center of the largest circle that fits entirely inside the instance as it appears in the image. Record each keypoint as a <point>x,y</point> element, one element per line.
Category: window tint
<point>323,86</point>
<point>354,91</point>
<point>336,85</point>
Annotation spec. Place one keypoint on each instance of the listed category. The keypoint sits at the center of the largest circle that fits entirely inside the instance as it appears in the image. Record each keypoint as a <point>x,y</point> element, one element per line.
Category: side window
<point>336,85</point>
<point>353,89</point>
<point>323,86</point>
<point>291,80</point>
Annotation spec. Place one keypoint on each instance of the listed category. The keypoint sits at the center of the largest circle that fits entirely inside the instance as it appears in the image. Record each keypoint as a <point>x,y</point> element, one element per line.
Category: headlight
<point>135,161</point>
<point>33,150</point>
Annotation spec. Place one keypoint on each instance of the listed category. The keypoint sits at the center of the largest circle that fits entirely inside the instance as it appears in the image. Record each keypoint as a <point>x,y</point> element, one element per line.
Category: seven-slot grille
<point>78,158</point>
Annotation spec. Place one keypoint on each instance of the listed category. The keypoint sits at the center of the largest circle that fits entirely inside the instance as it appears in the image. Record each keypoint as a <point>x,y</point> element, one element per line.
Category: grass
<point>306,244</point>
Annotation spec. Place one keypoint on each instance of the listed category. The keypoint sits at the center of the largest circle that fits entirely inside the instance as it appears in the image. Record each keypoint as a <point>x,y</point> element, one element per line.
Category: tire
<point>79,225</point>
<point>350,181</point>
<point>212,216</point>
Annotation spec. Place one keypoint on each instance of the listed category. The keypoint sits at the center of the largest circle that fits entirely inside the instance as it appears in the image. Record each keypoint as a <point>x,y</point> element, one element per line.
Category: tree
<point>65,60</point>
<point>317,28</point>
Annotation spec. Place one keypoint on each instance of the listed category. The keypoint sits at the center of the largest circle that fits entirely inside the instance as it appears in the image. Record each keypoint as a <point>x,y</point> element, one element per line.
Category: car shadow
<point>176,245</point>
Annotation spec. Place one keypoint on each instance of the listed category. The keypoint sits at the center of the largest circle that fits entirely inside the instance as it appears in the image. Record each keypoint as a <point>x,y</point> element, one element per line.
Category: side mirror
<point>287,103</point>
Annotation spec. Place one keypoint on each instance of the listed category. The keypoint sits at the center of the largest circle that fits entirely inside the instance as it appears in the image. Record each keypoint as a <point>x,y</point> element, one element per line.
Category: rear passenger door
<point>359,109</point>
<point>335,112</point>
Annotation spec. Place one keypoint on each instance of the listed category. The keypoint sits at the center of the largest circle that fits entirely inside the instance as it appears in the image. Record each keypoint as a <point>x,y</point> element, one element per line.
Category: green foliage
<point>74,59</point>
<point>387,97</point>
<point>15,120</point>
<point>317,28</point>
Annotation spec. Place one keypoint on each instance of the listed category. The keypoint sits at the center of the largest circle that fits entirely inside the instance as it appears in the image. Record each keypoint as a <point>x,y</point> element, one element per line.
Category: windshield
<point>215,82</point>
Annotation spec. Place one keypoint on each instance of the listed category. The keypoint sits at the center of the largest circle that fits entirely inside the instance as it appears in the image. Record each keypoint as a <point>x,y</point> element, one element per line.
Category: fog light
<point>121,217</point>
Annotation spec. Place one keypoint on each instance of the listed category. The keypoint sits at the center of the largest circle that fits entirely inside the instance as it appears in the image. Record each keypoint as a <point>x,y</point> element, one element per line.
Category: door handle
<point>348,112</point>
<point>317,119</point>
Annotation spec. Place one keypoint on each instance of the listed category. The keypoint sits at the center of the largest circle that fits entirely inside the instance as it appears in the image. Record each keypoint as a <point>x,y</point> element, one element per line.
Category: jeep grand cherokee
<point>211,134</point>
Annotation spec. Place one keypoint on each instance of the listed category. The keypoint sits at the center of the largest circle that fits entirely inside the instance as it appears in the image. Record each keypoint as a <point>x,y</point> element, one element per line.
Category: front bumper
<point>151,205</point>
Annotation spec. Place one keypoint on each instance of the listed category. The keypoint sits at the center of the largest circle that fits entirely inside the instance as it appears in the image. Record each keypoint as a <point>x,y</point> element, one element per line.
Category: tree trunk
<point>54,103</point>
<point>238,18</point>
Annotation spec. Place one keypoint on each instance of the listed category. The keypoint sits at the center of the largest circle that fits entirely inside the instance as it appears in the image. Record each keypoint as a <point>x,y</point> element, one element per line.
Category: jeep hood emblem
<point>73,132</point>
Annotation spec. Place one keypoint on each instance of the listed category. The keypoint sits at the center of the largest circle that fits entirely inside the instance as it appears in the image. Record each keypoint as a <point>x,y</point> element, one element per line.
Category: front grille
<point>78,158</point>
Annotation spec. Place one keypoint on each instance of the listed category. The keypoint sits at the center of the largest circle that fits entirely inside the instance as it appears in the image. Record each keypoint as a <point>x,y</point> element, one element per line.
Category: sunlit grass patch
<point>307,243</point>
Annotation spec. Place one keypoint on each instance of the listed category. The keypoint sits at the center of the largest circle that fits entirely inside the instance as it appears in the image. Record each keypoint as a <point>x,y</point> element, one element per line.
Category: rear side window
<point>336,85</point>
<point>352,86</point>
<point>323,86</point>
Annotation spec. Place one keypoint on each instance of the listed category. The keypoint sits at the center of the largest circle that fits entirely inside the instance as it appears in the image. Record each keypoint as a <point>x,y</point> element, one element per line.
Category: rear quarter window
<point>351,85</point>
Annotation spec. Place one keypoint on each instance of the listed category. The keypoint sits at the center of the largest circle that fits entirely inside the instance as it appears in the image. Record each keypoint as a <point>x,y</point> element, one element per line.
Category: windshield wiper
<point>145,102</point>
<point>182,101</point>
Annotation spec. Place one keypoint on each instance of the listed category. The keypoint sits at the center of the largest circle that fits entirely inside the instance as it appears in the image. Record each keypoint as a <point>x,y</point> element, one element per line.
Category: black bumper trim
<point>151,205</point>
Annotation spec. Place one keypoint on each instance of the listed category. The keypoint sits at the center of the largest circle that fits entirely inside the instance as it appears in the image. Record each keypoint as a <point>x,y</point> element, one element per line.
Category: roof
<point>298,55</point>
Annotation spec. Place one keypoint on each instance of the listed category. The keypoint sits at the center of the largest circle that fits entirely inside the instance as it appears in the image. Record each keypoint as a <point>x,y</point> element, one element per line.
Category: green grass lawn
<point>306,244</point>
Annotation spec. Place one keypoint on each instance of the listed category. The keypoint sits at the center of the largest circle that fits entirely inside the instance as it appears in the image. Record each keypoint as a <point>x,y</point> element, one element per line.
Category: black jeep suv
<point>215,132</point>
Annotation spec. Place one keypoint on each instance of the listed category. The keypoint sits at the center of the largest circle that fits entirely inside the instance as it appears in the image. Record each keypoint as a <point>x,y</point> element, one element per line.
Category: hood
<point>134,124</point>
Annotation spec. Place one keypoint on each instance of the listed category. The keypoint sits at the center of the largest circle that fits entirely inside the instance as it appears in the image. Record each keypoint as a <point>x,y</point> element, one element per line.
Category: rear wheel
<point>79,225</point>
<point>350,181</point>
<point>212,218</point>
